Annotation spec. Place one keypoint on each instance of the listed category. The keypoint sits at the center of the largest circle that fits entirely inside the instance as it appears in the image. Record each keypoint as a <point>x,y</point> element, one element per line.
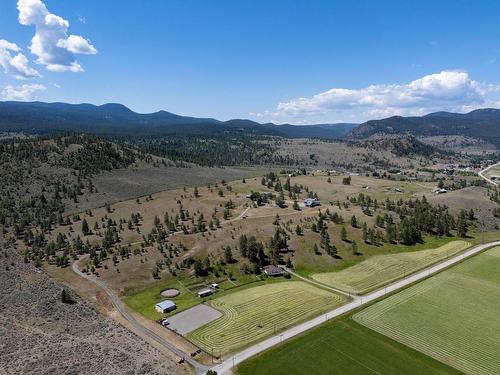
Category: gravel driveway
<point>190,319</point>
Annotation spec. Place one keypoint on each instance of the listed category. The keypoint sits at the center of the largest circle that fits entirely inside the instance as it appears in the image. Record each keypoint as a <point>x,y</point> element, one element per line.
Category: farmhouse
<point>205,293</point>
<point>273,271</point>
<point>165,306</point>
<point>311,202</point>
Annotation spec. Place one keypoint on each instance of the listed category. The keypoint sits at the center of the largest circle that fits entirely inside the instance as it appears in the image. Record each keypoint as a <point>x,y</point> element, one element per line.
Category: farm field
<point>452,317</point>
<point>254,313</point>
<point>342,347</point>
<point>380,270</point>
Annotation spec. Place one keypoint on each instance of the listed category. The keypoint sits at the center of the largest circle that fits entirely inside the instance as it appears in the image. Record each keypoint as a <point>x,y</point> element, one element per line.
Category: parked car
<point>165,322</point>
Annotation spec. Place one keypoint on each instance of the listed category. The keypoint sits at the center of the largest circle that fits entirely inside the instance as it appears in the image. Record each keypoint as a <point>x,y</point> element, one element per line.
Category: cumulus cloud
<point>51,44</point>
<point>447,90</point>
<point>24,92</point>
<point>15,63</point>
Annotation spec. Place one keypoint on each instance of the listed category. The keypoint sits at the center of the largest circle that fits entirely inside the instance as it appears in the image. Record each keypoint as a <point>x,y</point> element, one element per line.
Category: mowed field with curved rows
<point>380,270</point>
<point>255,313</point>
<point>452,317</point>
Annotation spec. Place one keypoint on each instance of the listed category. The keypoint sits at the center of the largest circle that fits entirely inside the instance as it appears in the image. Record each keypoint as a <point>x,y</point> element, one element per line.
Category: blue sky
<point>281,61</point>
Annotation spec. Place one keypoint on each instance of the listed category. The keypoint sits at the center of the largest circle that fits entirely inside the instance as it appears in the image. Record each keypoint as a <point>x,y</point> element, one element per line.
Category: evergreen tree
<point>343,234</point>
<point>85,227</point>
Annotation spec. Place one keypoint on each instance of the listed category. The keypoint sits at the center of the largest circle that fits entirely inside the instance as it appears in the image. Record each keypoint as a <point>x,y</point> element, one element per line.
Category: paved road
<point>481,174</point>
<point>226,366</point>
<point>200,369</point>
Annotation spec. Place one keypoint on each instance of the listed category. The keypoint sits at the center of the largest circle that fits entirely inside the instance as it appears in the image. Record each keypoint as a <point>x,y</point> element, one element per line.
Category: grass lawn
<point>379,270</point>
<point>452,317</point>
<point>251,314</point>
<point>144,301</point>
<point>342,347</point>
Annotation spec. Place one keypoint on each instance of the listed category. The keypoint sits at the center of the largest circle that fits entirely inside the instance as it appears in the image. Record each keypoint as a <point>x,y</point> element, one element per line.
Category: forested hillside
<point>37,176</point>
<point>481,124</point>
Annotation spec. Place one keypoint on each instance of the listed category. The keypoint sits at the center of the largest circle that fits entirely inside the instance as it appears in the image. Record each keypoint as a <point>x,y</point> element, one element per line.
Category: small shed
<point>273,271</point>
<point>311,202</point>
<point>205,293</point>
<point>165,306</point>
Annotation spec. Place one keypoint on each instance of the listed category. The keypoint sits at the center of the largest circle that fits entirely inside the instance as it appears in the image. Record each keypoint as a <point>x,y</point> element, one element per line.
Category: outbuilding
<point>165,306</point>
<point>205,293</point>
<point>273,271</point>
<point>311,202</point>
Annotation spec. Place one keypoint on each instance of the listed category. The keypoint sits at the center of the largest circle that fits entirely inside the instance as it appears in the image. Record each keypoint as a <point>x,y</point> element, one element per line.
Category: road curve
<point>120,307</point>
<point>226,366</point>
<point>481,174</point>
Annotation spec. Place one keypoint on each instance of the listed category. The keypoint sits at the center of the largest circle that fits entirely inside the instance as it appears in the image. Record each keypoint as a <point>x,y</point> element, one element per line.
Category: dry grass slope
<point>41,335</point>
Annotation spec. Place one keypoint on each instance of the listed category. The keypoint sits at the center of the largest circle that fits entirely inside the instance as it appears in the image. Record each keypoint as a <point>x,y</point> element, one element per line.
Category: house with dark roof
<point>273,271</point>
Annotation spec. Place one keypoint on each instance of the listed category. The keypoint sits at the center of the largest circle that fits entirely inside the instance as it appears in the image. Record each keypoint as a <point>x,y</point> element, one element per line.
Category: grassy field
<point>452,317</point>
<point>143,301</point>
<point>379,270</point>
<point>255,313</point>
<point>342,347</point>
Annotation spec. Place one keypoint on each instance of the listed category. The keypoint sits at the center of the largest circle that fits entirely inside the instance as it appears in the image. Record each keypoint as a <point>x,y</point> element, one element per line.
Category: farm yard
<point>186,239</point>
<point>343,347</point>
<point>254,313</point>
<point>379,270</point>
<point>452,317</point>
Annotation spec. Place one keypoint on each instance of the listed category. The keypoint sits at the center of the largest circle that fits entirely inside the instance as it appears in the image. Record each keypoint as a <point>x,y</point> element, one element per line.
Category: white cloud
<point>51,44</point>
<point>15,63</point>
<point>24,92</point>
<point>444,91</point>
<point>77,44</point>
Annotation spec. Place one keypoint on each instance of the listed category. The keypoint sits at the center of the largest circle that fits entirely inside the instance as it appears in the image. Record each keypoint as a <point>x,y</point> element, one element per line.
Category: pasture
<point>380,270</point>
<point>452,317</point>
<point>252,314</point>
<point>342,347</point>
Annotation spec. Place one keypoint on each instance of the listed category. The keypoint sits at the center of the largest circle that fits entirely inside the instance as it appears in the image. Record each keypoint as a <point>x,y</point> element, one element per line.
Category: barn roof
<point>165,304</point>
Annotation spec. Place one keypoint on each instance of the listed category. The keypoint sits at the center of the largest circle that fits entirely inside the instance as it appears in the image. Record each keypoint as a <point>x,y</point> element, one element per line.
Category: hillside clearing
<point>452,317</point>
<point>252,314</point>
<point>379,270</point>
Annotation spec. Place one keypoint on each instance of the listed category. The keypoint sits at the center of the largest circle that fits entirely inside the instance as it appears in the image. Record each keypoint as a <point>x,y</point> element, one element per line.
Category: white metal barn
<point>165,306</point>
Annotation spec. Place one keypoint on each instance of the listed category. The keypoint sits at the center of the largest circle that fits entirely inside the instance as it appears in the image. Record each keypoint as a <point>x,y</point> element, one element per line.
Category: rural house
<point>273,271</point>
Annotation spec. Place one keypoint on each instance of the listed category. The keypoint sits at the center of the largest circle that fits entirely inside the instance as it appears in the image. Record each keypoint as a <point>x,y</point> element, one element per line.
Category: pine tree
<point>462,225</point>
<point>354,222</point>
<point>354,247</point>
<point>343,234</point>
<point>85,227</point>
<point>66,297</point>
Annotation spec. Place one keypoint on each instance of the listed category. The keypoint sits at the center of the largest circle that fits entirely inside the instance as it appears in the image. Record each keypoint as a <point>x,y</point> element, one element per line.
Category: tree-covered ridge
<point>38,175</point>
<point>224,150</point>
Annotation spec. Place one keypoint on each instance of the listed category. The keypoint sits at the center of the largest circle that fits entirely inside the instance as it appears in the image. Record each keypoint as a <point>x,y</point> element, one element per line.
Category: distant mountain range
<point>117,119</point>
<point>483,124</point>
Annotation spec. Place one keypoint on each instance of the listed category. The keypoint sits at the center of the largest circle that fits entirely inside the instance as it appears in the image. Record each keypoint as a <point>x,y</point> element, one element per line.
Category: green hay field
<point>252,314</point>
<point>452,317</point>
<point>342,347</point>
<point>379,270</point>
